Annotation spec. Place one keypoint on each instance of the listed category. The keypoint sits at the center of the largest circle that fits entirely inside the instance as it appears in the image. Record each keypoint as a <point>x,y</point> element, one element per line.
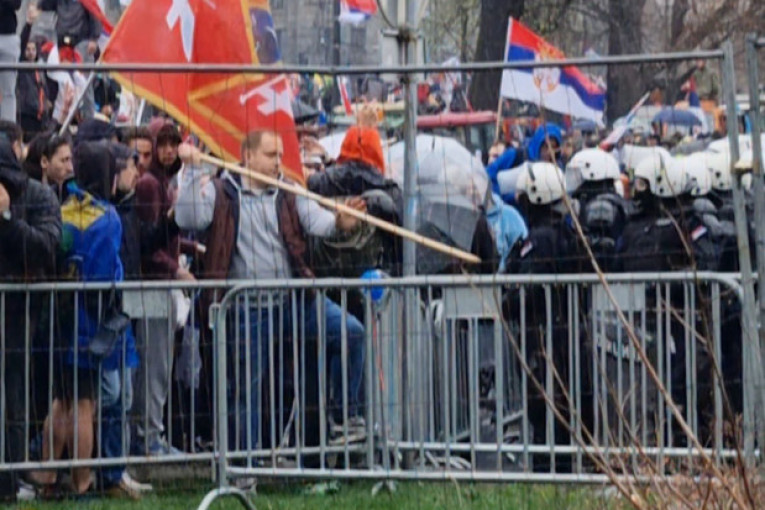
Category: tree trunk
<point>484,91</point>
<point>626,83</point>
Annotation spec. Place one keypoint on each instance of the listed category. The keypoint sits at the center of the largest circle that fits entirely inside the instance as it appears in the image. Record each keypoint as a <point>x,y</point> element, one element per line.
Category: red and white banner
<point>219,108</point>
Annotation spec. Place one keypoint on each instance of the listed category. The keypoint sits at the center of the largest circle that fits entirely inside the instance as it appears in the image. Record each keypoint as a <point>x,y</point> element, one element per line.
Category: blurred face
<point>545,154</point>
<point>59,167</point>
<point>701,64</point>
<point>167,153</point>
<point>30,52</point>
<point>143,147</point>
<point>19,151</point>
<point>267,158</point>
<point>128,177</point>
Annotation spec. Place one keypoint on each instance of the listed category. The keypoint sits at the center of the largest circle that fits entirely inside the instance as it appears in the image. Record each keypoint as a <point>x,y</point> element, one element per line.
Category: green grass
<point>408,496</point>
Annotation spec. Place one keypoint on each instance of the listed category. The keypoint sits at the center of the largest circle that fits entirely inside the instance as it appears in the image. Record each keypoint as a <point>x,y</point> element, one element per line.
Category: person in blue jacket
<point>89,252</point>
<point>539,150</point>
<point>503,159</point>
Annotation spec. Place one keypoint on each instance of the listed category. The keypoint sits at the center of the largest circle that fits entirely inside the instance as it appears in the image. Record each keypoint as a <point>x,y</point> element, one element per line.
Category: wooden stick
<point>339,207</point>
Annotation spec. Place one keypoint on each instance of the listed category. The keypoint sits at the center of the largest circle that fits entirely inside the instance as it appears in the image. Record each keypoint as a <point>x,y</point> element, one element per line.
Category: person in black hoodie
<point>359,172</point>
<point>124,200</point>
<point>33,162</point>
<point>30,221</point>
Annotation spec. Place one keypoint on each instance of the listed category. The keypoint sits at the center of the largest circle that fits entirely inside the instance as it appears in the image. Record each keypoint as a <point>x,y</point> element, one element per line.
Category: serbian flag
<point>219,108</point>
<point>356,12</point>
<point>566,90</point>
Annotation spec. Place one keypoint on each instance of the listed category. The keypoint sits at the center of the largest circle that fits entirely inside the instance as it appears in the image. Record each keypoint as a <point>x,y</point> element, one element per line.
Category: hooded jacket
<point>534,149</point>
<point>161,241</point>
<point>94,130</point>
<point>90,250</point>
<point>362,144</point>
<point>512,157</point>
<point>354,178</point>
<point>130,251</point>
<point>95,169</point>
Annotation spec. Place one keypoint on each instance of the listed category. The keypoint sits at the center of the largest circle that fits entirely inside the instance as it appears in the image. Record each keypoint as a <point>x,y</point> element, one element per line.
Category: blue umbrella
<point>677,117</point>
<point>585,125</point>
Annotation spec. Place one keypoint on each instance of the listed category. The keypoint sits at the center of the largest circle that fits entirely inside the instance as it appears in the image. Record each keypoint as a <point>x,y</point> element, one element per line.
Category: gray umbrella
<point>451,190</point>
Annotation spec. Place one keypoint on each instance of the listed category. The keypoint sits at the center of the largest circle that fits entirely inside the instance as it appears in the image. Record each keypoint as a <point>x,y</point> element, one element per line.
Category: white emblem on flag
<point>181,11</point>
<point>273,96</point>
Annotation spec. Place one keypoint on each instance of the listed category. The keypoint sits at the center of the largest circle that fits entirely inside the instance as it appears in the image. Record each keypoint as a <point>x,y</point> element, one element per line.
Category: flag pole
<point>499,106</point>
<point>342,208</point>
<point>76,104</point>
<point>499,120</point>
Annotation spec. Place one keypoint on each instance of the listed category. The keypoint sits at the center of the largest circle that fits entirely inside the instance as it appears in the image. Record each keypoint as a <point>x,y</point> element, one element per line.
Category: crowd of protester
<point>100,204</point>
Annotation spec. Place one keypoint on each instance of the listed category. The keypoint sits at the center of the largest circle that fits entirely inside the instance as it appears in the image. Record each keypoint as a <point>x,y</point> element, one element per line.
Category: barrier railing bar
<point>728,279</point>
<point>359,70</point>
<point>445,476</point>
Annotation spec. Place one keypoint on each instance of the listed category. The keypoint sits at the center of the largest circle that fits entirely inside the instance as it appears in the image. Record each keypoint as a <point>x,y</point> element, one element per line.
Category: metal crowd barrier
<point>450,392</point>
<point>453,392</point>
<point>37,369</point>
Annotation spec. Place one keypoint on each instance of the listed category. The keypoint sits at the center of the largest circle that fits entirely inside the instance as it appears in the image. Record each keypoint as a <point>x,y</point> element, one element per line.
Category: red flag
<point>219,108</point>
<point>96,9</point>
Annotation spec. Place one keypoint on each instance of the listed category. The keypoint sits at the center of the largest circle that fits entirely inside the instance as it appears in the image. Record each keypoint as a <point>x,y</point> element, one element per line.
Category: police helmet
<point>719,167</point>
<point>594,165</point>
<point>541,182</point>
<point>698,176</point>
<point>665,176</point>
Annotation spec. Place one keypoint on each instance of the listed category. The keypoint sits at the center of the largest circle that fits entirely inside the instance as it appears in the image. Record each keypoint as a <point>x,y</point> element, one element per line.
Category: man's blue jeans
<point>113,427</point>
<point>264,325</point>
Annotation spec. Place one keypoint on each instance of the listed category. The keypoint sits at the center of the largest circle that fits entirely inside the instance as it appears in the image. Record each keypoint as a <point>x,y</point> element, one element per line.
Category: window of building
<point>359,37</point>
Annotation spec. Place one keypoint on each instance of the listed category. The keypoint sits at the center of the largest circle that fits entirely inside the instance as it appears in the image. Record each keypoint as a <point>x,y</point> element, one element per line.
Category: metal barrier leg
<point>222,492</point>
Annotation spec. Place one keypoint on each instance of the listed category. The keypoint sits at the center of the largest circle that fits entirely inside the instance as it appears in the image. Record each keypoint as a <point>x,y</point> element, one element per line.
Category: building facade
<point>306,33</point>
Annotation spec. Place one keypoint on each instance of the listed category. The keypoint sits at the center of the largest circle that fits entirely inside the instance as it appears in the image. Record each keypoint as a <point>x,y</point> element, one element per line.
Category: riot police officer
<point>594,180</point>
<point>552,247</point>
<point>665,234</point>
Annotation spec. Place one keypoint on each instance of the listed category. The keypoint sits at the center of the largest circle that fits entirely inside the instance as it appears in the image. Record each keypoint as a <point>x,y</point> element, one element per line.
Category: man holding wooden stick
<point>256,231</point>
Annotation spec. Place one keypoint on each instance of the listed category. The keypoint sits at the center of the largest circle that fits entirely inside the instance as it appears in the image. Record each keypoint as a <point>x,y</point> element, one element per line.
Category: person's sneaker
<point>122,491</point>
<point>357,432</point>
<point>25,492</point>
<point>161,447</point>
<point>134,484</point>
